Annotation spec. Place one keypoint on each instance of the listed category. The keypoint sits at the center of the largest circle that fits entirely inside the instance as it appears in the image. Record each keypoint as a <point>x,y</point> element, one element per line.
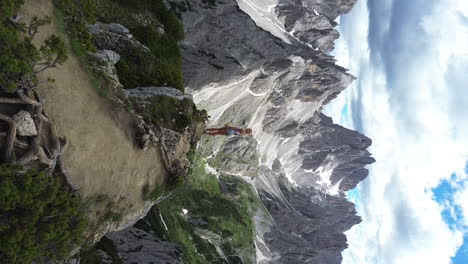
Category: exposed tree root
<point>44,159</point>
<point>35,145</point>
<point>10,140</point>
<point>66,174</point>
<point>46,147</point>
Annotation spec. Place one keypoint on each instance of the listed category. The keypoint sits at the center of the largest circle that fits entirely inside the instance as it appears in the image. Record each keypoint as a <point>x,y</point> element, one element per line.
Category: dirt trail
<point>101,158</point>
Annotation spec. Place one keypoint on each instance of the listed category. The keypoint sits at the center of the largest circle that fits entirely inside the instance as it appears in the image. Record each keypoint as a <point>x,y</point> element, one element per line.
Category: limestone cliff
<point>264,64</point>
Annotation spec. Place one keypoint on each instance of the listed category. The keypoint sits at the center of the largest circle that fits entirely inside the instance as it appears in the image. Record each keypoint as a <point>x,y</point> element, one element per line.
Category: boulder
<point>107,57</point>
<point>25,124</point>
<point>104,62</point>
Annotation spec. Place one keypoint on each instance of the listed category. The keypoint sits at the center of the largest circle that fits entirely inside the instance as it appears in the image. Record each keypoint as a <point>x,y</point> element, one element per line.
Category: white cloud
<point>417,141</point>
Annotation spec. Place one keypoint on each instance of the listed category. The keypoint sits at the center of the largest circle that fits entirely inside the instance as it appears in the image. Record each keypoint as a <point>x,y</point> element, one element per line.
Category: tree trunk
<point>10,140</point>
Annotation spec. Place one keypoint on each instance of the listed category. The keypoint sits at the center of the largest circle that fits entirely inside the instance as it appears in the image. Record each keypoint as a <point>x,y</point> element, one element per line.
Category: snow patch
<point>164,223</point>
<point>262,14</point>
<point>211,170</point>
<point>325,172</point>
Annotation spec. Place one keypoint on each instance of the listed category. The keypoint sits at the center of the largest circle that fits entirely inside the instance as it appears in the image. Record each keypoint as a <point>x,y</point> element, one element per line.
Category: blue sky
<point>411,61</point>
<point>452,213</point>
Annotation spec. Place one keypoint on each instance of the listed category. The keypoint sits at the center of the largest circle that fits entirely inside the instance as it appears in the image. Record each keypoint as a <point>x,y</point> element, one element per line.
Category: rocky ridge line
<point>243,74</point>
<point>300,163</point>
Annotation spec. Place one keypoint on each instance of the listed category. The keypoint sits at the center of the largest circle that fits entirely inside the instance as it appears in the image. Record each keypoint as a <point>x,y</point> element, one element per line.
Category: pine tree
<point>39,220</point>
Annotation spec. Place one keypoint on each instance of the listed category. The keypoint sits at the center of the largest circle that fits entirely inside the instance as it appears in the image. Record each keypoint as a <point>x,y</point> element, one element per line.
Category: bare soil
<point>102,158</point>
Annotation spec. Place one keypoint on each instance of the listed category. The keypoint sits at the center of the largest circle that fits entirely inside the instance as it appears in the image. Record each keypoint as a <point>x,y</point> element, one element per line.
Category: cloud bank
<point>411,60</point>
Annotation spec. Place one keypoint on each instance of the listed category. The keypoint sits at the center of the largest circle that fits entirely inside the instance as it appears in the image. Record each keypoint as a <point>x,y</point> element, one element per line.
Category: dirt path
<point>101,158</point>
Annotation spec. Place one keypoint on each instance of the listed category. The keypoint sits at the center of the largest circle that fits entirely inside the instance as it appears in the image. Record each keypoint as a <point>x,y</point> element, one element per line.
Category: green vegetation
<point>219,218</point>
<point>169,112</point>
<point>162,67</point>
<point>154,194</point>
<point>81,53</point>
<point>77,14</point>
<point>97,198</point>
<point>112,216</point>
<point>174,182</point>
<point>39,220</point>
<point>155,26</point>
<point>110,211</point>
<point>218,227</point>
<point>20,60</point>
<point>172,24</point>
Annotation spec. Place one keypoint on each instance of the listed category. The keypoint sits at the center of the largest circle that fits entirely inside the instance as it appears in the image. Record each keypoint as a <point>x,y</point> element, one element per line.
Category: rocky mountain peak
<point>264,64</point>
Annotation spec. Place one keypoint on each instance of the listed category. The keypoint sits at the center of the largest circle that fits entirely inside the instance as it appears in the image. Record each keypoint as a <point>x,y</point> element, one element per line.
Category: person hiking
<point>228,131</point>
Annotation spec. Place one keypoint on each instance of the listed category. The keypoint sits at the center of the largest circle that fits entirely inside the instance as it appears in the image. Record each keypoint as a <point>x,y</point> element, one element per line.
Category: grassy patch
<point>218,227</point>
<point>112,216</point>
<point>153,195</point>
<point>97,199</point>
<point>219,218</point>
<point>80,52</point>
<point>169,112</point>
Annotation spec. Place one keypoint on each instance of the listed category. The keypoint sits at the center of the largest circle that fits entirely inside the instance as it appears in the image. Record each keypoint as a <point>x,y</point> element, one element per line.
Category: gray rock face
<point>114,37</point>
<point>332,9</point>
<point>151,91</point>
<point>137,246</point>
<point>104,62</point>
<point>25,124</point>
<point>308,224</point>
<point>237,155</point>
<point>300,163</point>
<point>104,257</point>
<point>325,140</point>
<point>244,75</point>
<point>107,57</point>
<point>308,25</point>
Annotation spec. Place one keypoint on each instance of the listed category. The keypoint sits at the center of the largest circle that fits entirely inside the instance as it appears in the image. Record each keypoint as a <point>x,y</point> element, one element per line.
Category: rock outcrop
<point>307,224</point>
<point>104,62</point>
<point>271,72</point>
<point>137,246</point>
<point>244,72</point>
<point>151,91</point>
<point>114,37</point>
